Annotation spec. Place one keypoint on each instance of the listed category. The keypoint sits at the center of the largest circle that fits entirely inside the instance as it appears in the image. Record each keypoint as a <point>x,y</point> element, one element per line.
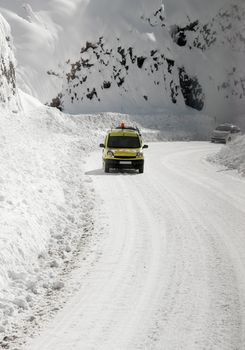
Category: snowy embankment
<point>41,197</point>
<point>46,209</point>
<point>232,155</point>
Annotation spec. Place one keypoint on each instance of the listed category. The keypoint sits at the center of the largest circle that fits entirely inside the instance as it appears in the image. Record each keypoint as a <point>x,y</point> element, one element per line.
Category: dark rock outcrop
<point>8,91</point>
<point>191,90</point>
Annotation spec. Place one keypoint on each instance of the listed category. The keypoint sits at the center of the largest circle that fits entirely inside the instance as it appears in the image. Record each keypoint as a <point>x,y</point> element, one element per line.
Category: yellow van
<point>123,149</point>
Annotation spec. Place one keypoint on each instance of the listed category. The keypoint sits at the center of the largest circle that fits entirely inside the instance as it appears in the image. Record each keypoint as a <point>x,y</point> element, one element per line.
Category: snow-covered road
<point>170,269</point>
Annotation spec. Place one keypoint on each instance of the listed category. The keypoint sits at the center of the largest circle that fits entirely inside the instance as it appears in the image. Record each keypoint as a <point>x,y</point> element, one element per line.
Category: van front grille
<point>125,157</point>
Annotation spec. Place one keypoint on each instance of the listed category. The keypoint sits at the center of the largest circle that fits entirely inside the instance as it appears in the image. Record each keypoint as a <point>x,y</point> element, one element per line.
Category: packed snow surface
<point>168,267</point>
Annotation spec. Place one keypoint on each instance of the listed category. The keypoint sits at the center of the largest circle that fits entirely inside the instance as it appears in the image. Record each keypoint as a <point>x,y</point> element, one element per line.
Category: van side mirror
<point>102,145</point>
<point>145,146</point>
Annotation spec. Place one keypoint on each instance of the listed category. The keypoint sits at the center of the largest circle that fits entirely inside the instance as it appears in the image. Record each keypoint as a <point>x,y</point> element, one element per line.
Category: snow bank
<point>46,208</point>
<point>29,102</point>
<point>232,155</point>
<point>169,126</point>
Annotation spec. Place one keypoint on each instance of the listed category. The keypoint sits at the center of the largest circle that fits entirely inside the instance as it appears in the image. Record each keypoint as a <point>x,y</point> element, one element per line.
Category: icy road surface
<point>171,269</point>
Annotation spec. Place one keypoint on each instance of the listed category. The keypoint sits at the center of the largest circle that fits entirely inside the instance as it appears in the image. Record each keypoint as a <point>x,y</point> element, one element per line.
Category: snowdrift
<point>232,156</point>
<point>33,207</point>
<point>46,208</point>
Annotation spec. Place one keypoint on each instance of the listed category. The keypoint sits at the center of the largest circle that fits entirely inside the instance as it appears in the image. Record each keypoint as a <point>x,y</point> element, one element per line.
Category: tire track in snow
<point>222,327</point>
<point>115,289</point>
<point>170,273</point>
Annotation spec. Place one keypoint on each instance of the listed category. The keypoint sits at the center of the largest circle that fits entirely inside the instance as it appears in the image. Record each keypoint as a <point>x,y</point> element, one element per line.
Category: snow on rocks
<point>149,57</point>
<point>9,98</point>
<point>232,155</point>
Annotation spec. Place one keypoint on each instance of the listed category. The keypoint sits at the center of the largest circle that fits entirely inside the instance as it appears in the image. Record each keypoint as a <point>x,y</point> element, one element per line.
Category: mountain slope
<point>196,63</point>
<point>140,57</point>
<point>9,99</point>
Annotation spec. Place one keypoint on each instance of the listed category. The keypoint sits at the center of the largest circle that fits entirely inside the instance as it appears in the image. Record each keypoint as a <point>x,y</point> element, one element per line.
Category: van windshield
<point>123,142</point>
<point>224,128</point>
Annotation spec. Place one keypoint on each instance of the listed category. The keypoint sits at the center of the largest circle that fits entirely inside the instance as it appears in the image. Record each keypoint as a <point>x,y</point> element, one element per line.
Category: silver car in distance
<point>225,133</point>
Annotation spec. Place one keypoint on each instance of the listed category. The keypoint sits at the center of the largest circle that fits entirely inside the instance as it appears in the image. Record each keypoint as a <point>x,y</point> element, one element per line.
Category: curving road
<point>171,272</point>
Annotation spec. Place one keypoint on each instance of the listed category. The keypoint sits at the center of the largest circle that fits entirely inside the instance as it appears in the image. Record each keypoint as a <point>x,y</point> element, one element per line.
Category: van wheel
<point>141,170</point>
<point>106,168</point>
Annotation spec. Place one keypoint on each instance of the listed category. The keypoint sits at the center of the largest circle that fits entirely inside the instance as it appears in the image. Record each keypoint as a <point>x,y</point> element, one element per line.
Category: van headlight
<point>139,154</point>
<point>110,154</point>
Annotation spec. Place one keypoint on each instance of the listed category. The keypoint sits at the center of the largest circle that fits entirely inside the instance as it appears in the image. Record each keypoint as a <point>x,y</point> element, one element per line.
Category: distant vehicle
<point>225,133</point>
<point>123,149</point>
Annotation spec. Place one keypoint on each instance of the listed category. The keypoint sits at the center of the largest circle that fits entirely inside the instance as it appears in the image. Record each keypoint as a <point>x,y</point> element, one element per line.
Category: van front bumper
<point>124,164</point>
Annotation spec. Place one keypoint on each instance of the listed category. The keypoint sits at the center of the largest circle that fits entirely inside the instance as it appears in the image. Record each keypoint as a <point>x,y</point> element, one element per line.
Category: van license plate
<point>125,162</point>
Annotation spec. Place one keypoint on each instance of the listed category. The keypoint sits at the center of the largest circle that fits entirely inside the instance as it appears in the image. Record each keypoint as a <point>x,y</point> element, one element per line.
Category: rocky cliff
<point>139,57</point>
<point>196,63</point>
<point>9,99</point>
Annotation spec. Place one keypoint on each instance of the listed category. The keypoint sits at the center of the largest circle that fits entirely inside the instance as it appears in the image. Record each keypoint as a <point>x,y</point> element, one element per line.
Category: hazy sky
<point>174,8</point>
<point>114,14</point>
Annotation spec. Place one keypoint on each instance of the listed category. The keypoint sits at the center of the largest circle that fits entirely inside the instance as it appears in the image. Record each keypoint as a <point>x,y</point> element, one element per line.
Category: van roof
<point>123,132</point>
